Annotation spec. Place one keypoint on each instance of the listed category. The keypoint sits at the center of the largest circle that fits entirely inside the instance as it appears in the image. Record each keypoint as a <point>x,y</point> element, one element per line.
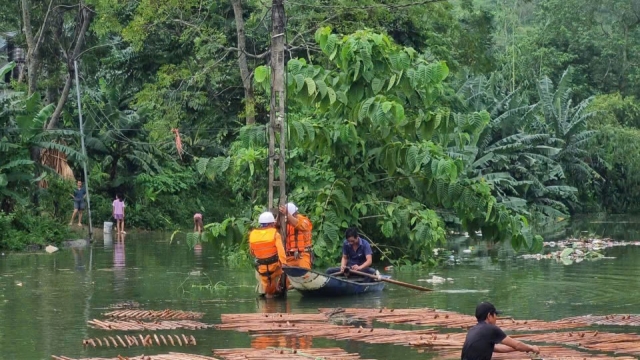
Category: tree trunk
<point>32,57</point>
<point>84,20</point>
<point>61,101</point>
<point>249,102</point>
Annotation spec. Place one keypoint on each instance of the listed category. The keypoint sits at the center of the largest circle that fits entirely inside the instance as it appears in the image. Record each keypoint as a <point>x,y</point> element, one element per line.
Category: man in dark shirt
<point>78,203</point>
<point>356,254</point>
<point>486,338</point>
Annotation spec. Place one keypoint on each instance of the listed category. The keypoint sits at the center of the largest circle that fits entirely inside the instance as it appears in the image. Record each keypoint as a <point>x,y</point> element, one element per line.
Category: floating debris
<point>125,305</point>
<point>136,325</point>
<point>140,340</point>
<point>169,356</point>
<point>436,280</point>
<point>614,320</point>
<point>285,353</point>
<point>595,244</point>
<point>51,249</point>
<point>167,314</point>
<point>568,256</point>
<point>448,319</point>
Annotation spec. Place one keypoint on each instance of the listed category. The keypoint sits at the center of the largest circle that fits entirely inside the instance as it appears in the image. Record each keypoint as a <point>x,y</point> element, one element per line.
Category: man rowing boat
<point>486,338</point>
<point>356,254</point>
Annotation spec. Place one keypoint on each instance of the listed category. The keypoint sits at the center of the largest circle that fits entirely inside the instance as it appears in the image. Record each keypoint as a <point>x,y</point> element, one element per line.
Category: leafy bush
<point>22,229</point>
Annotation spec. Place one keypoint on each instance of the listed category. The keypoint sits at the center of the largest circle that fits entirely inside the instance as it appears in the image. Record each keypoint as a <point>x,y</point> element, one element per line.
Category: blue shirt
<point>359,255</point>
<point>78,194</point>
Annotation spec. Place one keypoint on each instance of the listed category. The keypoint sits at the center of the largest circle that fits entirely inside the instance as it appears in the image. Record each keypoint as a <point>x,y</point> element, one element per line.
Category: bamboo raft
<point>299,325</point>
<point>147,340</point>
<point>243,354</point>
<point>613,320</point>
<point>591,340</point>
<point>166,314</point>
<point>275,317</point>
<point>546,353</point>
<point>169,356</point>
<point>447,319</point>
<point>285,354</point>
<point>134,325</point>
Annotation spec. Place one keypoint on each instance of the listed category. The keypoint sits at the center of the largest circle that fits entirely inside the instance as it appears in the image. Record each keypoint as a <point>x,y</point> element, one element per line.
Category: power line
<point>364,7</point>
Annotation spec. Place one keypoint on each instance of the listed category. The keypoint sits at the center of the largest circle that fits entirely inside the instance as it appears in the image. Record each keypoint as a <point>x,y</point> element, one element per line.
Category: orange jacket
<point>266,243</point>
<point>299,236</point>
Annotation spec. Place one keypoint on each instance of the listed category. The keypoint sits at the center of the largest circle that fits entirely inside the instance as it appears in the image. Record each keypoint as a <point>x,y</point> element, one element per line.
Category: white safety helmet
<point>266,218</point>
<point>291,208</point>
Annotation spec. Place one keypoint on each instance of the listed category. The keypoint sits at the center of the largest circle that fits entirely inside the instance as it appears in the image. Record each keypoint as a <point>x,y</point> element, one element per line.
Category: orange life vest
<point>262,243</point>
<point>299,239</point>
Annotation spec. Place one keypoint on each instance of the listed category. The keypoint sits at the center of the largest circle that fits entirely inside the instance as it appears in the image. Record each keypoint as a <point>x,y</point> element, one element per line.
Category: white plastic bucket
<point>107,227</point>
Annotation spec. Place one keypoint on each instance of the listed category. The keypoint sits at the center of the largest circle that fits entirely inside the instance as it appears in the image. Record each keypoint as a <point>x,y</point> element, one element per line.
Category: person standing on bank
<point>118,213</point>
<point>78,203</point>
<point>299,247</point>
<point>356,254</point>
<point>486,337</point>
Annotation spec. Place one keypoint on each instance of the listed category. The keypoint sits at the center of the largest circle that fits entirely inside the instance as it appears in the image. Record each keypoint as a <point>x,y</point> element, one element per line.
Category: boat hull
<point>316,284</point>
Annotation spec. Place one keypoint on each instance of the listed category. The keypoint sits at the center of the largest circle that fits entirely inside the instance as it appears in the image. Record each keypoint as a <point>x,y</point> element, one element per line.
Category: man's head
<point>292,209</point>
<point>266,219</point>
<point>79,184</point>
<point>485,311</point>
<point>351,235</point>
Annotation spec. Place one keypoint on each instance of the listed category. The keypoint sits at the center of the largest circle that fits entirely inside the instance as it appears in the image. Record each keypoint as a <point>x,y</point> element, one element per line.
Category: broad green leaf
<point>376,85</point>
<point>322,87</point>
<point>391,82</point>
<point>311,86</point>
<point>332,95</point>
<point>342,97</point>
<point>300,81</point>
<point>387,229</point>
<point>260,74</point>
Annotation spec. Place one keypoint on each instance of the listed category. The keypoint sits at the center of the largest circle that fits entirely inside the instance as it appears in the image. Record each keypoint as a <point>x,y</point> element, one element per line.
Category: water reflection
<point>107,241</point>
<point>78,257</point>
<point>119,263</point>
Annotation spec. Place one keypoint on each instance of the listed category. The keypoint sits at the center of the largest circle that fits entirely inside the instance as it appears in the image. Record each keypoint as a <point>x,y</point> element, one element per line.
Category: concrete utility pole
<point>84,150</point>
<point>277,116</point>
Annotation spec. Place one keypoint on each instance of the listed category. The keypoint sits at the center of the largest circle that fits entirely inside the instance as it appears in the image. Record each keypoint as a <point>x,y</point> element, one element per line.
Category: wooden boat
<point>315,283</point>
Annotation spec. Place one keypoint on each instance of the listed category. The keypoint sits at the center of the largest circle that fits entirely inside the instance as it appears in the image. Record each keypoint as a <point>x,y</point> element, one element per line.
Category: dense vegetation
<point>408,119</point>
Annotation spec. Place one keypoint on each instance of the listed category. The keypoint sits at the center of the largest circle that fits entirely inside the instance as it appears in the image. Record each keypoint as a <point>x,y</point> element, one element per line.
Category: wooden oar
<point>400,283</point>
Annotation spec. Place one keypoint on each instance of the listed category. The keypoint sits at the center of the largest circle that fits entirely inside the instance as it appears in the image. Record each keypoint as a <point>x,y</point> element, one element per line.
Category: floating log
<point>285,353</point>
<point>134,325</point>
<point>169,356</point>
<point>447,319</point>
<point>166,314</point>
<point>140,340</point>
<point>613,320</point>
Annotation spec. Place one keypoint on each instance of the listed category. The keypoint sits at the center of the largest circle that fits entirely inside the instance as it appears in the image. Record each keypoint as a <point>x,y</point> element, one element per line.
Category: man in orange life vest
<point>265,244</point>
<point>298,247</point>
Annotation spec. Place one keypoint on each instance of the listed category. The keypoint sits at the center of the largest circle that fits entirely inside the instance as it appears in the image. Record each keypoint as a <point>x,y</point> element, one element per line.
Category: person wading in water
<point>486,338</point>
<point>265,244</point>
